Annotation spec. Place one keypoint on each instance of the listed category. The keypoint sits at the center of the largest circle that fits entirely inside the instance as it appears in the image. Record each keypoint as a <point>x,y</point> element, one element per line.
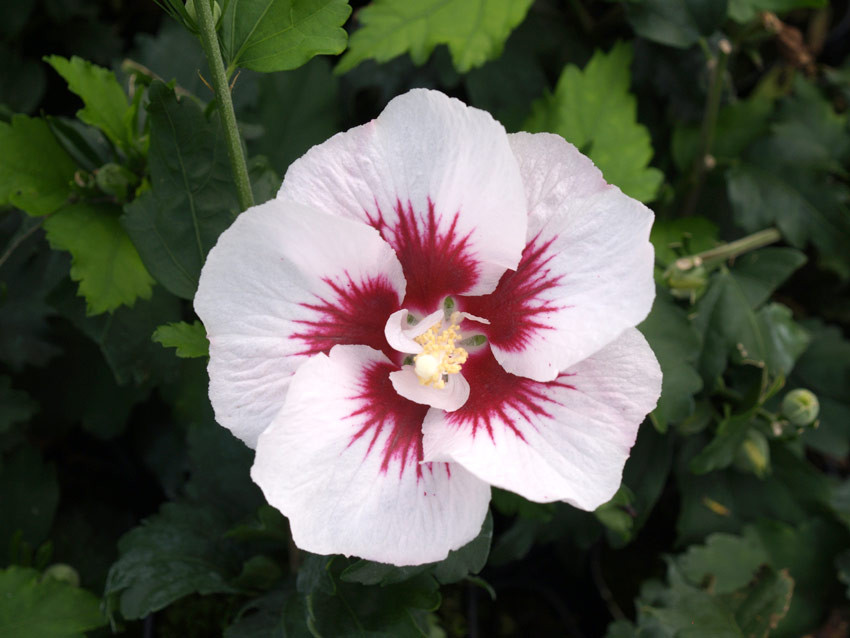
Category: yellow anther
<point>439,357</point>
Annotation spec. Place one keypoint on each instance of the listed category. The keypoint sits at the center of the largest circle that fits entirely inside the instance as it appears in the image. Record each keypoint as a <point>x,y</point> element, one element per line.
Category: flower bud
<point>686,283</point>
<point>115,180</point>
<point>800,407</point>
<point>63,573</point>
<point>190,9</point>
<point>754,454</point>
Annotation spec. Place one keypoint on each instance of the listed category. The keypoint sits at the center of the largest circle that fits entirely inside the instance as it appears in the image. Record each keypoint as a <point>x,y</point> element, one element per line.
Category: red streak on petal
<point>381,411</point>
<point>355,315</point>
<point>435,264</point>
<point>498,397</point>
<point>515,309</point>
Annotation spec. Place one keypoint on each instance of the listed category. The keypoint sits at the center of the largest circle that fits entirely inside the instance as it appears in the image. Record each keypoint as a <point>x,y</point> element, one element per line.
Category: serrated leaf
<point>171,555</point>
<point>36,607</point>
<point>474,31</point>
<point>35,171</point>
<point>677,23</point>
<point>791,178</point>
<point>594,110</point>
<point>761,607</point>
<point>192,198</point>
<point>278,35</point>
<point>103,259</point>
<point>724,563</point>
<point>190,339</point>
<point>106,104</point>
<point>676,345</point>
<point>281,613</point>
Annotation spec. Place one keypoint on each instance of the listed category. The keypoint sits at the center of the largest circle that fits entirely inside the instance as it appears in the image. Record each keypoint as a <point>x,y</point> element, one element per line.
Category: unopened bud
<point>686,283</point>
<point>800,407</point>
<point>190,9</point>
<point>63,573</point>
<point>754,454</point>
<point>115,180</point>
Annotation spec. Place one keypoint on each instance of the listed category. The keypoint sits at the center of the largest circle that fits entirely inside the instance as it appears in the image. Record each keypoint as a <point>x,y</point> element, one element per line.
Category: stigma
<point>440,356</point>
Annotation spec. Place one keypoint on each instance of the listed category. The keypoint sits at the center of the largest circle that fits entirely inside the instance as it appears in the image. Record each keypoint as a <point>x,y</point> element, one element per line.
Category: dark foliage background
<point>125,508</point>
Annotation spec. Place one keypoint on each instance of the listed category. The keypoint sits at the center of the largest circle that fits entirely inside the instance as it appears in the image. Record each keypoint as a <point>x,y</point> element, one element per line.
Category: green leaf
<point>281,613</point>
<point>192,198</point>
<point>761,607</point>
<point>746,10</point>
<point>35,171</point>
<point>731,434</point>
<point>676,23</point>
<point>277,35</point>
<point>726,316</point>
<point>124,336</point>
<point>190,339</point>
<point>36,607</point>
<point>174,553</point>
<point>339,608</point>
<point>297,110</point>
<point>785,339</point>
<point>792,178</point>
<point>725,562</point>
<point>29,494</point>
<point>594,110</point>
<point>103,259</point>
<point>106,104</point>
<point>473,31</point>
<point>676,345</point>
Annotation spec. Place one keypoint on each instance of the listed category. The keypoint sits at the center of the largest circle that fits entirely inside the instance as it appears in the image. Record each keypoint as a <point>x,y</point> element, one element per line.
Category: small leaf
<point>106,104</point>
<point>594,110</point>
<point>190,339</point>
<point>278,35</point>
<point>473,31</point>
<point>35,171</point>
<point>727,561</point>
<point>731,433</point>
<point>104,260</point>
<point>36,607</point>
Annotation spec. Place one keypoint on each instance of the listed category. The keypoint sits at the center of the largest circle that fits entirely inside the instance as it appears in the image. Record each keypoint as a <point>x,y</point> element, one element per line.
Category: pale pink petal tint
<point>347,322</point>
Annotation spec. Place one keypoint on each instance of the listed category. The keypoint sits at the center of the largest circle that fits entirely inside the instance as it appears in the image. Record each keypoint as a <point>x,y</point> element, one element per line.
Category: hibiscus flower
<point>429,307</point>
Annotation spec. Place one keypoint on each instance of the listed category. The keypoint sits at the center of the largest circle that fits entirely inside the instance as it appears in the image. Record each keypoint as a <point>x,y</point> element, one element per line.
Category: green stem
<point>704,159</point>
<point>209,40</point>
<point>730,250</point>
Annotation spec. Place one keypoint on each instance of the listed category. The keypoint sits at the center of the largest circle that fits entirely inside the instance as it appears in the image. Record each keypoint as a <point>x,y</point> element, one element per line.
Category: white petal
<point>400,333</point>
<point>449,398</point>
<point>563,440</point>
<point>341,460</point>
<point>440,182</point>
<point>282,283</point>
<point>586,273</point>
